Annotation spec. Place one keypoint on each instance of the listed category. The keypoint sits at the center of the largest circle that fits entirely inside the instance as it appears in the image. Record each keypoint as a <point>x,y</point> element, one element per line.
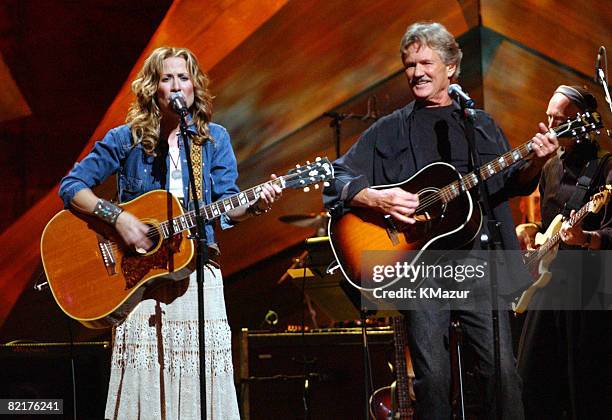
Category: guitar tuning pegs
<point>317,159</point>
<point>316,186</point>
<point>306,189</point>
<point>307,162</point>
<point>326,184</point>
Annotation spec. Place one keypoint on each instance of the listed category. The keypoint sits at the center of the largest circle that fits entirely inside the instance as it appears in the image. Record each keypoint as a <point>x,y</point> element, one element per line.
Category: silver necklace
<point>175,173</point>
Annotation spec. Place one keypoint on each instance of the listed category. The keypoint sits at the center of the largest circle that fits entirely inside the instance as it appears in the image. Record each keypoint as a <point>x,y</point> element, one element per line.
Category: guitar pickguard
<point>426,220</point>
<point>135,267</point>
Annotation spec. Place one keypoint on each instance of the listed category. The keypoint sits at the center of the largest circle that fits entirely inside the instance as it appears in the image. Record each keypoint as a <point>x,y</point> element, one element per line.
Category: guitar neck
<point>217,209</point>
<point>401,370</point>
<point>469,181</point>
<point>243,198</point>
<point>300,177</point>
<point>556,238</point>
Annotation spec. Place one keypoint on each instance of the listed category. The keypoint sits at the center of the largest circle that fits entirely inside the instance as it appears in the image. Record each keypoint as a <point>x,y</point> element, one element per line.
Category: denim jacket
<point>138,173</point>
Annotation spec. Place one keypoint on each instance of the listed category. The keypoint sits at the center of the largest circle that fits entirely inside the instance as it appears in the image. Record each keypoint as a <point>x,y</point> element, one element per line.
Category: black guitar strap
<point>584,184</point>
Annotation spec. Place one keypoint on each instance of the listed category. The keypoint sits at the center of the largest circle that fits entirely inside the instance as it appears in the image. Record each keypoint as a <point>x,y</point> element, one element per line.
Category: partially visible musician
<point>155,359</point>
<point>427,130</point>
<point>564,356</point>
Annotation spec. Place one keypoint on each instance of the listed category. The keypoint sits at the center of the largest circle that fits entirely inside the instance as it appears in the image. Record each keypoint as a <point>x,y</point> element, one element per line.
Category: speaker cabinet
<point>45,371</point>
<point>283,373</point>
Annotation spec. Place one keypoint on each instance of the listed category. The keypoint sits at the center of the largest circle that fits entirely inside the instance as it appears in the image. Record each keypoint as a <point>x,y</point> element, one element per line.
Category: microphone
<point>177,101</point>
<point>463,98</point>
<point>599,72</point>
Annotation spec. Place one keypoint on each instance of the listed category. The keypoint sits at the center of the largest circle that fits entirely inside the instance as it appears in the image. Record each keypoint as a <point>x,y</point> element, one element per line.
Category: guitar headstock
<point>302,176</point>
<point>580,126</point>
<point>600,199</point>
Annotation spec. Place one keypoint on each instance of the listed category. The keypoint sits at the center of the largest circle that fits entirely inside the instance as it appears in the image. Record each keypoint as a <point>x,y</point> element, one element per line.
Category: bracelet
<point>107,211</point>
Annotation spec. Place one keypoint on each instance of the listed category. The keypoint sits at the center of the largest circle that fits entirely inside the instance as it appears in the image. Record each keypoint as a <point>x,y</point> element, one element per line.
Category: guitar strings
<point>433,198</point>
<point>444,192</point>
<point>524,151</point>
<point>154,232</point>
<point>535,257</point>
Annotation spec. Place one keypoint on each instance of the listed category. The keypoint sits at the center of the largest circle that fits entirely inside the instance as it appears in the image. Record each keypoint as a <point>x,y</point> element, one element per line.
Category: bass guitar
<point>96,279</point>
<point>395,401</point>
<point>447,216</point>
<point>538,260</point>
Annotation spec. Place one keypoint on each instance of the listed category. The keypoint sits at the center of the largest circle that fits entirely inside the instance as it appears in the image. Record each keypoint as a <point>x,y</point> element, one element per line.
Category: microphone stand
<point>601,75</point>
<point>492,242</point>
<point>199,235</point>
<point>336,124</point>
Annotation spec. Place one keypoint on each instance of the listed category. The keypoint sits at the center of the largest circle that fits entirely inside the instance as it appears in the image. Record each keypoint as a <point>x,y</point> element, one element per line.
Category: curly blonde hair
<point>144,115</point>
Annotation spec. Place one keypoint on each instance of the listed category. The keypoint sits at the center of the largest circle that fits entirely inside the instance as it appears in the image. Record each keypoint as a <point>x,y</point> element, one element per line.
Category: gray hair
<point>435,36</point>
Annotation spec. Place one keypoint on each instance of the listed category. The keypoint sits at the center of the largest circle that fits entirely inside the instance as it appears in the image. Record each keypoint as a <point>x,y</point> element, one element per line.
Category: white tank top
<point>176,172</point>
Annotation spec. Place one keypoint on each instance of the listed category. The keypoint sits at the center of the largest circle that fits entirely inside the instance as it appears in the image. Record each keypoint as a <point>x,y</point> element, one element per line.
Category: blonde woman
<point>155,361</point>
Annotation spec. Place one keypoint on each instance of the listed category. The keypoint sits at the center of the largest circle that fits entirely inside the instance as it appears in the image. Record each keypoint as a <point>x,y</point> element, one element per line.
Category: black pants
<point>565,360</point>
<point>428,337</point>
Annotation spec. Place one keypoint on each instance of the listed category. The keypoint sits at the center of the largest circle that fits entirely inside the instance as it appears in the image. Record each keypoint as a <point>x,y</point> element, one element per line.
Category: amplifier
<point>280,373</point>
<point>45,370</point>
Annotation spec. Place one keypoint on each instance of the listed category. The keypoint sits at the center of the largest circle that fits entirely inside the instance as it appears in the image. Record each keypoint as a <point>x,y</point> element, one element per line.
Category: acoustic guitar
<point>538,260</point>
<point>447,216</point>
<point>96,279</point>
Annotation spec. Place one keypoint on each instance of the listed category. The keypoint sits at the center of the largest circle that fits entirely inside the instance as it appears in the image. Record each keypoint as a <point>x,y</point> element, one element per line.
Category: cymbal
<point>306,220</point>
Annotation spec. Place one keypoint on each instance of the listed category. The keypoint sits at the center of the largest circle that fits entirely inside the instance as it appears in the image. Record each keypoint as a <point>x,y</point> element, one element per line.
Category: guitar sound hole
<point>431,207</point>
<point>431,213</point>
<point>155,238</point>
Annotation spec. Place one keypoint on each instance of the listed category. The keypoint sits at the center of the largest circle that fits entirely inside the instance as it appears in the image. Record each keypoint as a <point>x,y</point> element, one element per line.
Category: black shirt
<point>558,183</point>
<point>440,136</point>
<point>389,153</point>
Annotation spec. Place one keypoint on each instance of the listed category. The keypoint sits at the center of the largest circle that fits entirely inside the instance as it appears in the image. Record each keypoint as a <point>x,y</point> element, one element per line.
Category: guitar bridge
<point>391,230</point>
<point>108,256</point>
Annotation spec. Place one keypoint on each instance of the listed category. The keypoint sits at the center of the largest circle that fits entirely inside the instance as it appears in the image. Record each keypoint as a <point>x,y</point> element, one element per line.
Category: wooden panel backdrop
<point>277,66</point>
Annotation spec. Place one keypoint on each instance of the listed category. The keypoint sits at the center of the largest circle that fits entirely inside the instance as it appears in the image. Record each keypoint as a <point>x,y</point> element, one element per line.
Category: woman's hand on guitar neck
<point>396,202</point>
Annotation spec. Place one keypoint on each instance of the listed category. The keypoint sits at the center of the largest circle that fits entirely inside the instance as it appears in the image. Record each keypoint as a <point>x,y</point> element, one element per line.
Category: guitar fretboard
<point>401,370</point>
<point>469,181</point>
<point>583,124</point>
<point>300,177</point>
<point>534,257</point>
<point>217,209</point>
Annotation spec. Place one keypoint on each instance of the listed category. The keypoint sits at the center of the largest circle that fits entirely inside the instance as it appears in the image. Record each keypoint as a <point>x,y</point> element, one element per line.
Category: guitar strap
<point>196,159</point>
<point>584,184</point>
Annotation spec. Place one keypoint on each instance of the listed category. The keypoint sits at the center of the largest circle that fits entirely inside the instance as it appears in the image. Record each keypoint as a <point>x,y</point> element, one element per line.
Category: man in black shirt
<point>564,355</point>
<point>396,147</point>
